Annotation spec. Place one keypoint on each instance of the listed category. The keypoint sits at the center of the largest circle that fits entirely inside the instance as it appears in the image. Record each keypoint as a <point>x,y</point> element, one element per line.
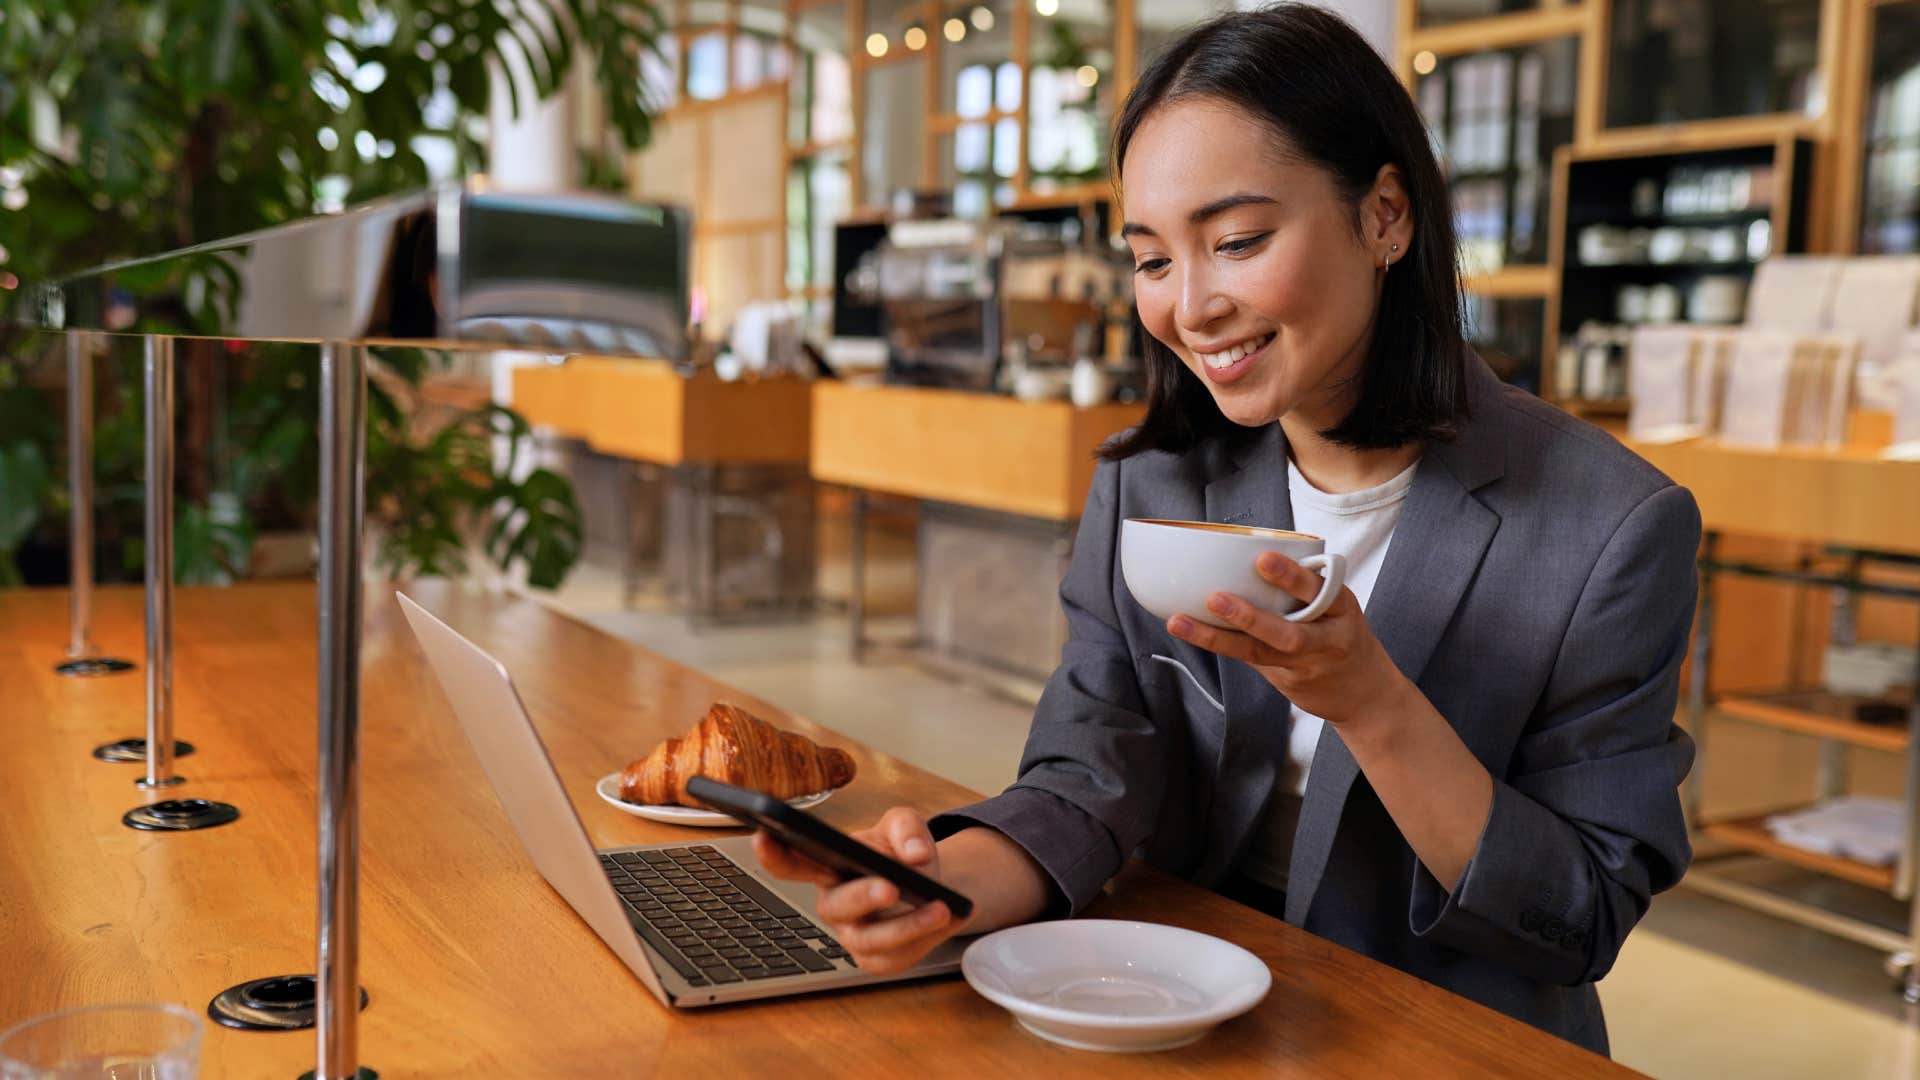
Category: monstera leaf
<point>538,522</point>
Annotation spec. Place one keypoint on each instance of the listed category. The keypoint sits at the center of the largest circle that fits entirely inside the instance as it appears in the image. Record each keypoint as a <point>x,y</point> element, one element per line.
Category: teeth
<point>1226,358</point>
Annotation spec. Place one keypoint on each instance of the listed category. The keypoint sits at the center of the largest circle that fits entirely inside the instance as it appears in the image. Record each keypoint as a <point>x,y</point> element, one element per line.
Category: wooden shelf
<point>1510,283</point>
<point>1816,713</point>
<point>1750,834</point>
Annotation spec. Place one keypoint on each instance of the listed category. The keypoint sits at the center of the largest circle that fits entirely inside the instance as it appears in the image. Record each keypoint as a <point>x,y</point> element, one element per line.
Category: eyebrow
<point>1212,209</point>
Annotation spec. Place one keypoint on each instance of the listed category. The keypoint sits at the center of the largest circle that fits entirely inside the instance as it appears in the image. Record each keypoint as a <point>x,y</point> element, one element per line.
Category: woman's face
<point>1247,262</point>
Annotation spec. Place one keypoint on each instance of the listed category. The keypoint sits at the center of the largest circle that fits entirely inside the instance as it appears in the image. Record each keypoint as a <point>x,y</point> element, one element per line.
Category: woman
<point>1467,768</point>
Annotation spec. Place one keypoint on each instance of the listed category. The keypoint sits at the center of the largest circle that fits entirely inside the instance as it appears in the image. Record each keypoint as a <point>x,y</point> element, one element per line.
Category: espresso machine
<point>969,305</point>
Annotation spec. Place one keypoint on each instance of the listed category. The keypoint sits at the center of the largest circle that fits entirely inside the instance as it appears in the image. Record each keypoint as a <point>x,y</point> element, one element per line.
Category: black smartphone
<point>823,843</point>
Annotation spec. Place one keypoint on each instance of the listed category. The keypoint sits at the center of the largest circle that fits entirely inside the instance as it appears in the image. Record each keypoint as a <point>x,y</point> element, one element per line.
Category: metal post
<point>80,650</point>
<point>159,559</point>
<point>80,489</point>
<point>343,406</point>
<point>1702,654</point>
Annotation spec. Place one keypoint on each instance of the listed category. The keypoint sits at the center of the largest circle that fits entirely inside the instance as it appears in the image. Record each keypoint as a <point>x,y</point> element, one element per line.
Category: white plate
<point>609,789</point>
<point>1106,984</point>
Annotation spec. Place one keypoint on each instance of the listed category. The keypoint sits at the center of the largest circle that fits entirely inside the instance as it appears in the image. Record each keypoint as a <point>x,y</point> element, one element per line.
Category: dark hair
<point>1318,83</point>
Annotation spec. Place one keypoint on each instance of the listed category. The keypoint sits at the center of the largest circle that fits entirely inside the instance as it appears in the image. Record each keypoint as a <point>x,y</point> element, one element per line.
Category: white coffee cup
<point>1172,567</point>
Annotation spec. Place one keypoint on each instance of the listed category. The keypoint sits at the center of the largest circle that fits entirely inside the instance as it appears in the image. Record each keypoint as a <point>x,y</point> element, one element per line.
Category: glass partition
<point>1890,195</point>
<point>976,44</point>
<point>1497,118</point>
<point>820,87</point>
<point>893,130</point>
<point>1677,60</point>
<point>1070,92</point>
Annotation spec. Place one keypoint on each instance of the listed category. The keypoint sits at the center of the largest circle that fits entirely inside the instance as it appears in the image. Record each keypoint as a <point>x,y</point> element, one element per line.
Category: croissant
<point>736,747</point>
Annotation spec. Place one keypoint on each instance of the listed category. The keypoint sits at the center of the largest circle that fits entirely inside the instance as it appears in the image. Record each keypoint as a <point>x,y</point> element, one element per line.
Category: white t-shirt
<point>1359,525</point>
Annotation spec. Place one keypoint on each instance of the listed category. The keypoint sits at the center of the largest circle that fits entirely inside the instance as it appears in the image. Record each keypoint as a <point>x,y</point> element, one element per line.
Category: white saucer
<point>1106,984</point>
<point>609,789</point>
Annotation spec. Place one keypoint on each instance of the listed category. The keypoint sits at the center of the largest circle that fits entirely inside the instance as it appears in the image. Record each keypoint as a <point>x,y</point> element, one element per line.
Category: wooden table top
<point>474,965</point>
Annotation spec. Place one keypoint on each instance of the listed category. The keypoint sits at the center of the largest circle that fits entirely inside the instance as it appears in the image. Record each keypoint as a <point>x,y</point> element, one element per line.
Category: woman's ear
<point>1386,215</point>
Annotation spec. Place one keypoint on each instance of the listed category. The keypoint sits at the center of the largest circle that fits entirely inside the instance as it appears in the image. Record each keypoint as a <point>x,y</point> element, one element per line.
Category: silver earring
<point>1387,259</point>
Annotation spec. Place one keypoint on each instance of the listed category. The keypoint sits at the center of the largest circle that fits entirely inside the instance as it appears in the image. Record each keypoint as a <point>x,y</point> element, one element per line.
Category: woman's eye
<point>1242,245</point>
<point>1149,266</point>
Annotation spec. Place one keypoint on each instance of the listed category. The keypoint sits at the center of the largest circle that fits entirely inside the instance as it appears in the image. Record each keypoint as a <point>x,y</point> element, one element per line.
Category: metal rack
<point>1824,717</point>
<point>454,267</point>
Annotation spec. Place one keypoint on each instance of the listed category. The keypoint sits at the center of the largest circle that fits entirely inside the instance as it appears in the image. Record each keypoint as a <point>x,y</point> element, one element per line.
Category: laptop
<point>699,923</point>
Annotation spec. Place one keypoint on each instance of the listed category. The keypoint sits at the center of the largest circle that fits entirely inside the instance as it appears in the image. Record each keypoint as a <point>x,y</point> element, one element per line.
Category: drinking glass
<point>104,1042</point>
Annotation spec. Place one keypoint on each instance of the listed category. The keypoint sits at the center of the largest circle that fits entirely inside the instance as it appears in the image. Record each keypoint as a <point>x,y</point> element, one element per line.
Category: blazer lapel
<point>1437,546</point>
<point>1256,713</point>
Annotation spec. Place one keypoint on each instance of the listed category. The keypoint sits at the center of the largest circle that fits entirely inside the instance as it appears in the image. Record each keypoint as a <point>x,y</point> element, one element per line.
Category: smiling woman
<point>1465,763</point>
<point>1272,205</point>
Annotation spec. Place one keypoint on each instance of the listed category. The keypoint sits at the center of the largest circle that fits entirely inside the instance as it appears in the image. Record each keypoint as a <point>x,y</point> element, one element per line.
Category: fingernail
<point>930,915</point>
<point>915,849</point>
<point>1181,626</point>
<point>1220,605</point>
<point>878,890</point>
<point>1270,563</point>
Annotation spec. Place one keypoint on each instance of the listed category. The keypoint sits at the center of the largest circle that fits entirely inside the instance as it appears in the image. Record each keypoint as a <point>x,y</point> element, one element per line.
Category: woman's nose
<point>1200,304</point>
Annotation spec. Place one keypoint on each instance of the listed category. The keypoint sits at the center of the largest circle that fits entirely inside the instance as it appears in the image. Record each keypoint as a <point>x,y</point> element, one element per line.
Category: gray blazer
<point>1539,588</point>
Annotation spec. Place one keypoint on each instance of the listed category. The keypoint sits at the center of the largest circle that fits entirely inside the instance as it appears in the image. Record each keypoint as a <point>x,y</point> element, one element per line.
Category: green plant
<point>129,127</point>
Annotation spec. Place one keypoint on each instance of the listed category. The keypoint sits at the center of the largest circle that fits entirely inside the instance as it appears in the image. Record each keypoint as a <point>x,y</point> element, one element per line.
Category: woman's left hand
<point>1332,667</point>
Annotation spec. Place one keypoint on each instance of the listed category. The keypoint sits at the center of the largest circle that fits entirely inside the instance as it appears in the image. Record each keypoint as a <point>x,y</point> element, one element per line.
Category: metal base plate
<point>179,815</point>
<point>276,1003</point>
<point>365,1074</point>
<point>136,750</point>
<point>94,665</point>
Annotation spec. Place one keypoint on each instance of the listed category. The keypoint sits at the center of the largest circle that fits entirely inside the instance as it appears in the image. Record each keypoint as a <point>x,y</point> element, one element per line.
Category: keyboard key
<point>724,977</point>
<point>797,922</point>
<point>764,952</point>
<point>766,924</point>
<point>697,952</point>
<point>834,951</point>
<point>682,937</point>
<point>785,969</point>
<point>713,933</point>
<point>765,898</point>
<point>653,858</point>
<point>627,858</point>
<point>704,849</point>
<point>734,952</point>
<point>812,961</point>
<point>665,948</point>
<point>813,932</point>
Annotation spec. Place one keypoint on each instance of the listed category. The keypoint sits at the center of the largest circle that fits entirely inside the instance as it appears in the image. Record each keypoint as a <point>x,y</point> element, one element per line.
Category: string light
<point>915,38</point>
<point>876,45</point>
<point>955,30</point>
<point>1088,75</point>
<point>1424,61</point>
<point>1048,8</point>
<point>982,19</point>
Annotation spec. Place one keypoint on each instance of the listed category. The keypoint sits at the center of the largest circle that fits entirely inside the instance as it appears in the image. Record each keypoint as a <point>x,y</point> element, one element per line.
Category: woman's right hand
<point>865,914</point>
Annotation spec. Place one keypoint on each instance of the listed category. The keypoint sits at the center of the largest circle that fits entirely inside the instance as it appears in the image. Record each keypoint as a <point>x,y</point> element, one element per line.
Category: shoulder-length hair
<point>1311,77</point>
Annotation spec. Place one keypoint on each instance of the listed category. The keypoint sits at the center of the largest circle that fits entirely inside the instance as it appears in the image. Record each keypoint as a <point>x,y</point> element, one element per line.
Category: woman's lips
<point>1233,372</point>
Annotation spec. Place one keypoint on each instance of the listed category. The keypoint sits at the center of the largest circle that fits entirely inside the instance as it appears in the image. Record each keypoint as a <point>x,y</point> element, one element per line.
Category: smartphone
<point>823,843</point>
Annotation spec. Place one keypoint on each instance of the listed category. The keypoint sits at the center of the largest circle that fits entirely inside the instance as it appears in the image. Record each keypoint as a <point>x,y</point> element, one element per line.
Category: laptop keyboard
<point>713,921</point>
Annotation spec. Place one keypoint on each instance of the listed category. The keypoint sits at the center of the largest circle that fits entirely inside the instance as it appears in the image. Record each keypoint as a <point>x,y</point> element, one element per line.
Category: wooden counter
<point>645,410</point>
<point>1850,497</point>
<point>475,966</point>
<point>981,450</point>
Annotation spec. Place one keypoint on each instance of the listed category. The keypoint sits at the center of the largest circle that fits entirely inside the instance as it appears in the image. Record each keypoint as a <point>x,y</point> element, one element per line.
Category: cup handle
<point>1333,569</point>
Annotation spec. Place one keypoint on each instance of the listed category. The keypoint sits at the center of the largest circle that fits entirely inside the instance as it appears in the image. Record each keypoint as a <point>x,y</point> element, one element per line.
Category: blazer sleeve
<point>1587,823</point>
<point>1090,782</point>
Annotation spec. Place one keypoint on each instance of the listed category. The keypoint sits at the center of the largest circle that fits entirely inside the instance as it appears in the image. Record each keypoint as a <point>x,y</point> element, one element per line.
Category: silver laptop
<point>698,923</point>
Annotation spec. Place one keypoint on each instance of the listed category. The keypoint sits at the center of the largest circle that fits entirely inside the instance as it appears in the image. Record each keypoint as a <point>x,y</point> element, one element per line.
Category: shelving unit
<point>1830,718</point>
